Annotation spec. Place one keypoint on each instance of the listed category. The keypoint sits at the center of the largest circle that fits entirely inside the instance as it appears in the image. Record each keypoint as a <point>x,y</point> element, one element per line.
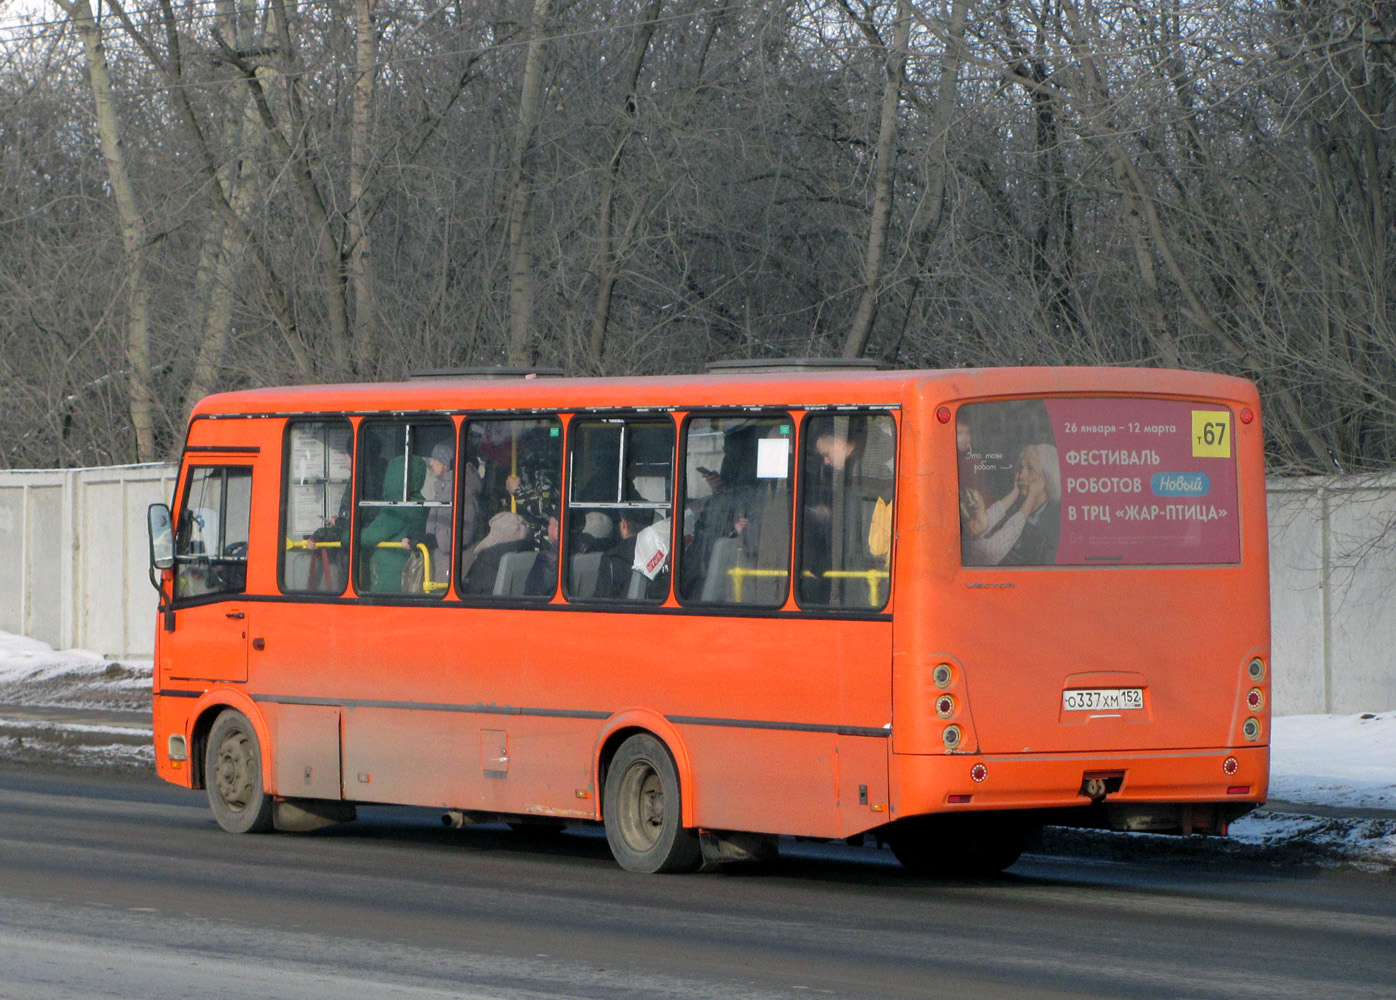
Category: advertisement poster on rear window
<point>1097,482</point>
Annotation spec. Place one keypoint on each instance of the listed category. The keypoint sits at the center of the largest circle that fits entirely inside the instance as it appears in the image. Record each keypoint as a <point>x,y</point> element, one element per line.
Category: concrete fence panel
<point>1333,593</point>
<point>1297,601</point>
<point>73,556</point>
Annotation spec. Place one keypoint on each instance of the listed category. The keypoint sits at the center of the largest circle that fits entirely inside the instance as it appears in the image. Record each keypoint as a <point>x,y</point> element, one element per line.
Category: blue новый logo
<point>1180,484</point>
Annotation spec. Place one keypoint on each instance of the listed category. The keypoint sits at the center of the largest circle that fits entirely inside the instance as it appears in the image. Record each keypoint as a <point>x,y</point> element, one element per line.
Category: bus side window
<point>846,491</point>
<point>397,552</point>
<point>619,508</point>
<point>315,504</point>
<point>737,486</point>
<point>513,466</point>
<point>211,533</point>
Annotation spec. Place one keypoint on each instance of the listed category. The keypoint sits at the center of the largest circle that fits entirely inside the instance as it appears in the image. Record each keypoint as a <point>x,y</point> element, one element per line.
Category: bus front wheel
<point>643,812</point>
<point>233,776</point>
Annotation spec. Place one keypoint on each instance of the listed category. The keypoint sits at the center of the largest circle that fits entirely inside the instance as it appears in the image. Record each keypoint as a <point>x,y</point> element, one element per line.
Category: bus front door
<point>211,614</point>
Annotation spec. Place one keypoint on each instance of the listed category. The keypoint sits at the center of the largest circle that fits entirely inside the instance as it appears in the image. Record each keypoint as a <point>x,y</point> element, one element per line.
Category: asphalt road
<point>113,886</point>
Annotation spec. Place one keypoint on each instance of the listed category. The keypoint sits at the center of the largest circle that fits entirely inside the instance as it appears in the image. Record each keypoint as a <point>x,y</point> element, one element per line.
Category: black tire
<point>233,776</point>
<point>957,846</point>
<point>644,813</point>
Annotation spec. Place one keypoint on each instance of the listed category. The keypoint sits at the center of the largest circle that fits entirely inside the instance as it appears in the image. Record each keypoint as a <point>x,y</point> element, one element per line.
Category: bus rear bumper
<point>1179,791</point>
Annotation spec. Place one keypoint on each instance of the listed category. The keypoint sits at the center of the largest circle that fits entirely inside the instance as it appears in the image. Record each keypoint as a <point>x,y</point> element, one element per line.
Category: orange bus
<point>927,609</point>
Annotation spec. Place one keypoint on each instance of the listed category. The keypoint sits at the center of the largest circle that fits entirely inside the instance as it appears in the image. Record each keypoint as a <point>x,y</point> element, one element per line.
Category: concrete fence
<point>73,556</point>
<point>1333,594</point>
<point>73,574</point>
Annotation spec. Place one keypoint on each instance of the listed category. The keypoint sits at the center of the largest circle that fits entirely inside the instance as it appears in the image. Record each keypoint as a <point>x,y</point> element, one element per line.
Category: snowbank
<point>1336,761</point>
<point>34,673</point>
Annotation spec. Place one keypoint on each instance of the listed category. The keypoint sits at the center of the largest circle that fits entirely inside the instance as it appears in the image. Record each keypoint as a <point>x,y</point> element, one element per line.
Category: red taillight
<point>979,772</point>
<point>1247,416</point>
<point>945,706</point>
<point>1230,766</point>
<point>943,414</point>
<point>1255,699</point>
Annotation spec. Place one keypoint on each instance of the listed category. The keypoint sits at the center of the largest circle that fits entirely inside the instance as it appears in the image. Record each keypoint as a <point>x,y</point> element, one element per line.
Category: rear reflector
<point>958,800</point>
<point>1239,790</point>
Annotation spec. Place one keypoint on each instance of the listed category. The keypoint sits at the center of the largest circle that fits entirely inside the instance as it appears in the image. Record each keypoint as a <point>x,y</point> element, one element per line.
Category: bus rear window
<point>1097,482</point>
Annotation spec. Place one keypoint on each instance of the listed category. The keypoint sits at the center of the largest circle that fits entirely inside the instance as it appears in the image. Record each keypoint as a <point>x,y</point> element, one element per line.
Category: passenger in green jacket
<point>404,524</point>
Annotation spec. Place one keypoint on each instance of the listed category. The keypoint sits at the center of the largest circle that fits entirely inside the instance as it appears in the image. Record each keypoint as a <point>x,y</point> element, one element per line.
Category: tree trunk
<point>296,156</point>
<point>141,401</point>
<point>857,340</point>
<point>521,197</point>
<point>606,254</point>
<point>934,198</point>
<point>360,137</point>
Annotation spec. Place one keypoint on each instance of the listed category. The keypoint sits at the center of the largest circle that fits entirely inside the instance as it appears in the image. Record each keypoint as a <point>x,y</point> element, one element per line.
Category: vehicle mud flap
<point>304,815</point>
<point>721,848</point>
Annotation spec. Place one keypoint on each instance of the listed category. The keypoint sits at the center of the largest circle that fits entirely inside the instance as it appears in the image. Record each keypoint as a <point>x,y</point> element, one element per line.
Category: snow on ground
<point>1342,767</point>
<point>1340,761</point>
<point>1336,774</point>
<point>34,673</point>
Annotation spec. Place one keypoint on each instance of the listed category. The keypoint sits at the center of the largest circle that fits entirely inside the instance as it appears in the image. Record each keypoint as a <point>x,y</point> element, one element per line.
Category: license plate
<point>1103,699</point>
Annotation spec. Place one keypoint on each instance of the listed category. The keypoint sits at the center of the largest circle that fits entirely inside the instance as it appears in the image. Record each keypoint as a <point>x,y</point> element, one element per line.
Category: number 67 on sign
<point>1211,434</point>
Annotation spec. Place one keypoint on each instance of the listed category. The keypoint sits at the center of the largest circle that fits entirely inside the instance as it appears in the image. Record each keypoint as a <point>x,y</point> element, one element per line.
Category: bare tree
<point>606,263</point>
<point>354,188</point>
<point>134,235</point>
<point>894,54</point>
<point>521,196</point>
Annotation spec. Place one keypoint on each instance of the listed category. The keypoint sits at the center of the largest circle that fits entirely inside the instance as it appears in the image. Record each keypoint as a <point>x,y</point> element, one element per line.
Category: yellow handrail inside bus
<point>872,576</point>
<point>740,573</point>
<point>429,586</point>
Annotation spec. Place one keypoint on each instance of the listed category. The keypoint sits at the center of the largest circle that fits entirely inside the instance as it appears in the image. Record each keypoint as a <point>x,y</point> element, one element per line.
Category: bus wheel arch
<point>206,712</point>
<point>642,810</point>
<point>198,742</point>
<point>624,725</point>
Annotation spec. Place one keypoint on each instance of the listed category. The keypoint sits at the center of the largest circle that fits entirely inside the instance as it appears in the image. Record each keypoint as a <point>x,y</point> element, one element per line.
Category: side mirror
<point>161,536</point>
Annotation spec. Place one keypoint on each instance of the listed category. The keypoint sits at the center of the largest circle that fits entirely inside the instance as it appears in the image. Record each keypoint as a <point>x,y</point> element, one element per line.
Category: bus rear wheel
<point>643,812</point>
<point>233,776</point>
<point>957,846</point>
